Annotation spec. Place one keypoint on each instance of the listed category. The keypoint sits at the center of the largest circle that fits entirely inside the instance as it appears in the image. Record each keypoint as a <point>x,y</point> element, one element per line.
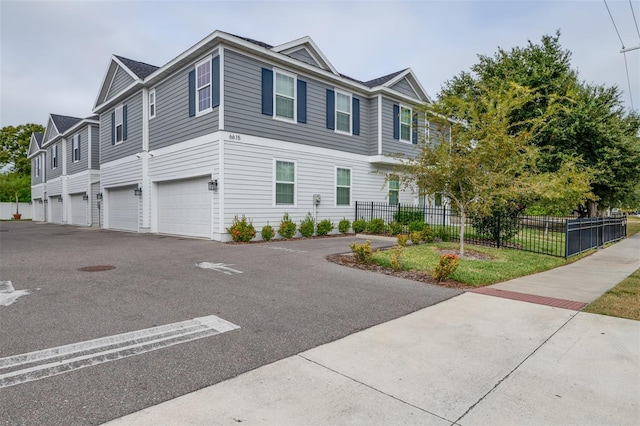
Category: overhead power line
<point>635,21</point>
<point>624,50</point>
<point>614,23</point>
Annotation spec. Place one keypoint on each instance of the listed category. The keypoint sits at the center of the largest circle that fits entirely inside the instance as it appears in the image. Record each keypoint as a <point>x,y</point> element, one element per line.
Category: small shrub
<point>443,234</point>
<point>402,240</point>
<point>416,226</point>
<point>427,234</point>
<point>267,232</point>
<point>307,226</point>
<point>415,237</point>
<point>359,225</point>
<point>395,228</point>
<point>287,227</point>
<point>362,252</point>
<point>445,267</point>
<point>344,225</point>
<point>241,230</point>
<point>324,227</point>
<point>376,226</point>
<point>396,258</point>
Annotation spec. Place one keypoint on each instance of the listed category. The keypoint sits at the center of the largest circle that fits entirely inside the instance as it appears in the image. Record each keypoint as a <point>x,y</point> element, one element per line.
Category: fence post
<point>356,218</point>
<point>566,238</point>
<point>370,218</point>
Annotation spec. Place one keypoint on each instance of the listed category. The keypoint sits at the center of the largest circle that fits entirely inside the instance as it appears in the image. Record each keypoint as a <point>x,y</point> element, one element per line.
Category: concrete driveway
<point>284,297</point>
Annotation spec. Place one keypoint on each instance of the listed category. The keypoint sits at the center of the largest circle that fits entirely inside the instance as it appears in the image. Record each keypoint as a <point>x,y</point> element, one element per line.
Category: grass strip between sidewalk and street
<point>621,301</point>
<point>633,225</point>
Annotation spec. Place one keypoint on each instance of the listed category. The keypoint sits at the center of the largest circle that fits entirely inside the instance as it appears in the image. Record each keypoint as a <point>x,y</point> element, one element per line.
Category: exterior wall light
<point>99,195</point>
<point>59,199</point>
<point>85,197</point>
<point>213,184</point>
<point>137,192</point>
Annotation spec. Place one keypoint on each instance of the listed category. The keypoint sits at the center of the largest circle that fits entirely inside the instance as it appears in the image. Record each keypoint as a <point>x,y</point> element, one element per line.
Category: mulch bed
<point>280,239</point>
<point>424,277</point>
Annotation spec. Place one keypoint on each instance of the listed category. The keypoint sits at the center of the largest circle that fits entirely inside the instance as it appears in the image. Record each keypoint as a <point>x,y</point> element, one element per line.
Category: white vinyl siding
<point>203,86</point>
<point>343,187</point>
<point>285,182</point>
<point>285,95</point>
<point>343,112</point>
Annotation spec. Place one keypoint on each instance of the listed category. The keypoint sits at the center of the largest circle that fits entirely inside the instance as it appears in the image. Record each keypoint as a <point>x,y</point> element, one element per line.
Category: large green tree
<point>488,162</point>
<point>14,146</point>
<point>586,123</point>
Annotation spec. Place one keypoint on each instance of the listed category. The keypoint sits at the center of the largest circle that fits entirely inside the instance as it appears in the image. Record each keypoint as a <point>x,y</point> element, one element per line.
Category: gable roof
<point>380,81</point>
<point>140,69</point>
<point>35,144</point>
<point>308,44</point>
<point>64,122</point>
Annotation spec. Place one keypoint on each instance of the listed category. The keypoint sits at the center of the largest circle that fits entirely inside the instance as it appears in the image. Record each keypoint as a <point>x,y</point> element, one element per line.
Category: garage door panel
<point>78,210</point>
<point>184,207</point>
<point>56,209</point>
<point>123,209</point>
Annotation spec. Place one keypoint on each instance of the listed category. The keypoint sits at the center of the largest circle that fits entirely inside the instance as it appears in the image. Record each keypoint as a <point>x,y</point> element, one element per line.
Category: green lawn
<point>503,265</point>
<point>633,225</point>
<point>621,301</point>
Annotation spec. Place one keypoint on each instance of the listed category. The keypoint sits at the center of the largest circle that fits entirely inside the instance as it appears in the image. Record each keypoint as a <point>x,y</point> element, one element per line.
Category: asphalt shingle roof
<point>63,122</point>
<point>382,80</point>
<point>140,69</point>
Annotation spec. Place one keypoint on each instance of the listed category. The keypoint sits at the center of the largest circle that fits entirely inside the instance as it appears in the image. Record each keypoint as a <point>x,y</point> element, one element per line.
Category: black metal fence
<point>555,236</point>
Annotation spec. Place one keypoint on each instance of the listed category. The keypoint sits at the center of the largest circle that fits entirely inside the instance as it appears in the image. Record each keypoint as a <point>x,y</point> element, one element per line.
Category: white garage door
<point>78,210</point>
<point>56,209</point>
<point>184,207</point>
<point>38,210</point>
<point>123,209</point>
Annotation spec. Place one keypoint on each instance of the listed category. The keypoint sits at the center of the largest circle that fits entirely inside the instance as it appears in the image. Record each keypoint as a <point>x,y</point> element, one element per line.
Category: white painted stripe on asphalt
<point>127,344</point>
<point>220,267</point>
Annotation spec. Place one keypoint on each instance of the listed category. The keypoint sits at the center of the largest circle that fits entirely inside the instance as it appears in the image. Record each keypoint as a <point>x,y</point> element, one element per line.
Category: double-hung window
<point>343,112</point>
<point>405,124</point>
<point>285,181</point>
<point>394,190</point>
<point>152,103</point>
<point>75,148</point>
<point>285,95</point>
<point>119,125</point>
<point>343,187</point>
<point>54,157</point>
<point>203,86</point>
<point>37,166</point>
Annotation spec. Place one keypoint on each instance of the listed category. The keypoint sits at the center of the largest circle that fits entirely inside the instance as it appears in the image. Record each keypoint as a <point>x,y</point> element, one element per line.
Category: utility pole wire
<point>614,23</point>
<point>628,80</point>
<point>635,21</point>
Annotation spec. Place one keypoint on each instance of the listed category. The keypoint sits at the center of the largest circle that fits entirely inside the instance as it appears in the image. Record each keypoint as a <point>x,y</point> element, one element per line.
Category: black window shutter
<point>113,128</point>
<point>79,145</point>
<point>267,91</point>
<point>355,110</point>
<point>215,82</point>
<point>396,121</point>
<point>192,93</point>
<point>331,105</point>
<point>124,123</point>
<point>302,101</point>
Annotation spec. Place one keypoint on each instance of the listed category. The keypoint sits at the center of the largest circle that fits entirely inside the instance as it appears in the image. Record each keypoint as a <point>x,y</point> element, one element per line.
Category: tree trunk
<point>592,208</point>
<point>17,205</point>
<point>463,220</point>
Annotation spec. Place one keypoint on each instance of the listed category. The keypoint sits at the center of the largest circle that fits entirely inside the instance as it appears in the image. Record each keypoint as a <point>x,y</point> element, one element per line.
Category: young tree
<point>489,159</point>
<point>15,188</point>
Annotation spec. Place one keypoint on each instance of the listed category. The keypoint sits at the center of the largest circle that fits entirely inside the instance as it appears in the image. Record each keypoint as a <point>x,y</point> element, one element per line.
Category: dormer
<point>305,50</point>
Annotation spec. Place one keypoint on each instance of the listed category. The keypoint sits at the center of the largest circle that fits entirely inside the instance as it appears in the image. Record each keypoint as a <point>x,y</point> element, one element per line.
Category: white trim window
<point>75,148</point>
<point>284,95</point>
<point>152,103</point>
<point>394,190</point>
<point>203,86</point>
<point>406,123</point>
<point>343,112</point>
<point>343,186</point>
<point>54,157</point>
<point>119,124</point>
<point>37,166</point>
<point>285,182</point>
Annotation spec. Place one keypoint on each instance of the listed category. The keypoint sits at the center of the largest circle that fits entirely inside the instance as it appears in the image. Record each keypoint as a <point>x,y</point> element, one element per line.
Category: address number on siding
<point>234,137</point>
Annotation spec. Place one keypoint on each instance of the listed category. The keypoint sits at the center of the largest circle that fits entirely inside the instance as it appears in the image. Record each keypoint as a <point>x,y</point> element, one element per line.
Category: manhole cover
<point>97,268</point>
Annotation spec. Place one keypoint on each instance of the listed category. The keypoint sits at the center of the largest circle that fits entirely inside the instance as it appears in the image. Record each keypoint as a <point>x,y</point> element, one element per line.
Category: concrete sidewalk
<point>473,359</point>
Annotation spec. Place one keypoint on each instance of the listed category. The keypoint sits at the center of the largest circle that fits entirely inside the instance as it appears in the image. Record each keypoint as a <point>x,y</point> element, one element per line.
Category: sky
<point>54,54</point>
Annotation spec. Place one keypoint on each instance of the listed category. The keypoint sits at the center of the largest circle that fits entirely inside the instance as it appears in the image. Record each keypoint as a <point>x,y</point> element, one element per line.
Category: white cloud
<point>54,54</point>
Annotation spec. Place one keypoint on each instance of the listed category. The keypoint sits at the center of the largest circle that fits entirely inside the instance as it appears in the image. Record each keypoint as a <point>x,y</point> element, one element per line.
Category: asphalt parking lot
<point>284,297</point>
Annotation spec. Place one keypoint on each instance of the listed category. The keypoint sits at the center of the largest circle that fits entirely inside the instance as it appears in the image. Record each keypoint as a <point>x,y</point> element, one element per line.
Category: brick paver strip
<point>531,298</point>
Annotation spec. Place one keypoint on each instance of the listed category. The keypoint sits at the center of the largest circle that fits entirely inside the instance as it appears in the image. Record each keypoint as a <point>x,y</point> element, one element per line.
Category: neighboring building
<point>234,126</point>
<point>65,171</point>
